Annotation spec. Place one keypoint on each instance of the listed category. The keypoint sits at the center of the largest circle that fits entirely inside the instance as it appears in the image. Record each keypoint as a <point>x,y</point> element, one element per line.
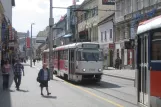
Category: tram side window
<point>78,55</point>
<point>61,54</point>
<point>156,46</point>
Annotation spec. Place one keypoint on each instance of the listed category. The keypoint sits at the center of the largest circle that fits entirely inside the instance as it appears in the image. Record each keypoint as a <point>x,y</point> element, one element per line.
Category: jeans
<point>5,81</point>
<point>17,79</point>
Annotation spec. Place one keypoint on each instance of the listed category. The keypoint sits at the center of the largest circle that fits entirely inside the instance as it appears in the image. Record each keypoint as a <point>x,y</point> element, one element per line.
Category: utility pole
<point>31,46</point>
<point>51,22</point>
<point>76,21</point>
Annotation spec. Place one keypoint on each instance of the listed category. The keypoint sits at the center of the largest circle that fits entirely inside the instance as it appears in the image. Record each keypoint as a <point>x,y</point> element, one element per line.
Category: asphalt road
<point>110,92</point>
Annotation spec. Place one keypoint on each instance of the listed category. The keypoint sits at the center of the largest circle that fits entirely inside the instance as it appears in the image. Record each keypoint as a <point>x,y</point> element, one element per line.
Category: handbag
<point>38,79</point>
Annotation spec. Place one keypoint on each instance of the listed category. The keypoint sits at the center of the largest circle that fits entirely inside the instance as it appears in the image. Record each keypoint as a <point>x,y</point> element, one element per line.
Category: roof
<point>150,24</point>
<point>109,18</point>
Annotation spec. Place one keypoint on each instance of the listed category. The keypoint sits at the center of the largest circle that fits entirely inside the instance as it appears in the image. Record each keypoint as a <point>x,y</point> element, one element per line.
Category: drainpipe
<point>114,38</point>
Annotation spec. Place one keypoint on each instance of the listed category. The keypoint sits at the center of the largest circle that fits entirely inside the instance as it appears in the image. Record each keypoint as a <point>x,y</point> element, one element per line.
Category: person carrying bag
<point>43,78</point>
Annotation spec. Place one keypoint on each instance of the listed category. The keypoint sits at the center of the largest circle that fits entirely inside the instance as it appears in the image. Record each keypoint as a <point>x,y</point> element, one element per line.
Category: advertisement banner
<point>27,42</point>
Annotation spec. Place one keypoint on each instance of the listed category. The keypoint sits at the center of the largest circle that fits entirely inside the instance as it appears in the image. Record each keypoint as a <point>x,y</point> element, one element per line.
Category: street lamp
<point>31,46</point>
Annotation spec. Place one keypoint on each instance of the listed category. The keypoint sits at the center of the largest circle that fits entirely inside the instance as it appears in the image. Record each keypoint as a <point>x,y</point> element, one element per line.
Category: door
<point>71,63</point>
<point>59,61</point>
<point>143,69</point>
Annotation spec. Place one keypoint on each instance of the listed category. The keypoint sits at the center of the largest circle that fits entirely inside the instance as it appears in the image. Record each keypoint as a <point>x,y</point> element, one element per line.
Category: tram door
<point>144,72</point>
<point>71,63</point>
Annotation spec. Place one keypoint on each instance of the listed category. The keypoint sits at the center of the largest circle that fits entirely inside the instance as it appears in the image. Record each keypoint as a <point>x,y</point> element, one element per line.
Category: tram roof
<point>150,24</point>
<point>74,45</point>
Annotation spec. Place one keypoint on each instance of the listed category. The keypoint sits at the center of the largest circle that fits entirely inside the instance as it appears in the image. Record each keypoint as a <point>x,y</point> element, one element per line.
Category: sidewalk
<point>123,73</point>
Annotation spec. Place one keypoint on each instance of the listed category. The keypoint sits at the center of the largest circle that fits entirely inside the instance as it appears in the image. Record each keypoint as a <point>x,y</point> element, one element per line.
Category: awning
<point>68,35</point>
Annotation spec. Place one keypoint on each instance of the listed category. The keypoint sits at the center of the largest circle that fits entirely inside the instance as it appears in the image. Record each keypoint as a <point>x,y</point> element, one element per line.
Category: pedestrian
<point>34,61</point>
<point>18,69</point>
<point>5,72</point>
<point>43,78</point>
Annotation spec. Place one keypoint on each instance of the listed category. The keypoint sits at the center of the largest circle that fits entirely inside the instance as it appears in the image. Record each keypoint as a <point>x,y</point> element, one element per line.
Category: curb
<point>119,77</point>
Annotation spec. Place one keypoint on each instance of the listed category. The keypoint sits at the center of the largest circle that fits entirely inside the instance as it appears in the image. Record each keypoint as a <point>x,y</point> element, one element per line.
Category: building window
<point>146,3</point>
<point>85,16</point>
<point>105,36</point>
<point>96,10</point>
<point>110,33</point>
<point>139,4</point>
<point>101,36</point>
<point>122,7</point>
<point>128,6</point>
<point>118,8</point>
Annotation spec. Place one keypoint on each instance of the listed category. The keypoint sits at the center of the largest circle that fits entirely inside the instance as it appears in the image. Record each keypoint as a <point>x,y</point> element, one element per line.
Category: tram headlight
<point>84,70</point>
<point>99,70</point>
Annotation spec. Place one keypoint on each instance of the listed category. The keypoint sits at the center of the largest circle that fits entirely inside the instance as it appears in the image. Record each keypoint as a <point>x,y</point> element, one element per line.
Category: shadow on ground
<point>102,84</point>
<point>52,97</point>
<point>5,97</point>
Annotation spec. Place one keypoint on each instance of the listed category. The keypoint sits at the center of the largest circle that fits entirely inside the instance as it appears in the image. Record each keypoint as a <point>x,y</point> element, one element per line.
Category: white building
<point>105,38</point>
<point>88,20</point>
<point>127,17</point>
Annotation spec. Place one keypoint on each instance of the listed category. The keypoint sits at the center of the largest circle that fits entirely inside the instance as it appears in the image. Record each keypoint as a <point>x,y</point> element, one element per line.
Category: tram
<point>148,63</point>
<point>78,61</point>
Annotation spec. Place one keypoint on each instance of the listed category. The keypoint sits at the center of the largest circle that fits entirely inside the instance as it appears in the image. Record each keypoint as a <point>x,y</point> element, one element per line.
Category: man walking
<point>18,69</point>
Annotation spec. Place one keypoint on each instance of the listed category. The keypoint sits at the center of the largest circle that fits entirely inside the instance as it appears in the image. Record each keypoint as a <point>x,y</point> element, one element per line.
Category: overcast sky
<point>37,11</point>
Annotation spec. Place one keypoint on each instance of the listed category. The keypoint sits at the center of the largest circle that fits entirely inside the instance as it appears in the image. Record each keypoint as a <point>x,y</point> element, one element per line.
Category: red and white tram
<point>148,55</point>
<point>78,61</point>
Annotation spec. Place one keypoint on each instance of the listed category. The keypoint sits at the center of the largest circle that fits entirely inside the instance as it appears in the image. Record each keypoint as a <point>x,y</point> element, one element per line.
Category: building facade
<point>89,14</point>
<point>8,37</point>
<point>1,20</point>
<point>8,4</point>
<point>105,38</point>
<point>127,17</point>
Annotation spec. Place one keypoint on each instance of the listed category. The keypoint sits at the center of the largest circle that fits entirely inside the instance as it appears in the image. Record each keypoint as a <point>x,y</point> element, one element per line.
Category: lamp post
<point>31,46</point>
<point>51,22</point>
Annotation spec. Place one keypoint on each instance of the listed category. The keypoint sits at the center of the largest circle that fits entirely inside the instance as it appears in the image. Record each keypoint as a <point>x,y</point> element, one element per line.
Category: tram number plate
<point>91,69</point>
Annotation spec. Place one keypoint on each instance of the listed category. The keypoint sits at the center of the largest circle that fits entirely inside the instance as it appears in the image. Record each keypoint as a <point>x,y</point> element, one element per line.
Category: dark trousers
<point>17,79</point>
<point>5,81</point>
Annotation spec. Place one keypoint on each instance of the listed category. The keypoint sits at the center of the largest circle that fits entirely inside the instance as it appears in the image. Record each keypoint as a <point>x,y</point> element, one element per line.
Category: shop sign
<point>111,46</point>
<point>139,16</point>
<point>108,2</point>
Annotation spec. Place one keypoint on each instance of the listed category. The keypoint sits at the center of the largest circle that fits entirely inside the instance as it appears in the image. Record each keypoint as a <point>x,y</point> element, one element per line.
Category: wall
<point>104,14</point>
<point>105,27</point>
<point>7,4</point>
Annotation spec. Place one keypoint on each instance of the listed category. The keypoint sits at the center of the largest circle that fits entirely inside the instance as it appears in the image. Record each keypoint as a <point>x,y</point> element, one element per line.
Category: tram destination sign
<point>92,46</point>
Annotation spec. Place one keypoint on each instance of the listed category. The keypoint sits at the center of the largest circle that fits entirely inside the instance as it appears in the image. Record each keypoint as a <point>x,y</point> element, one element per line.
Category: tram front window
<point>89,56</point>
<point>156,46</point>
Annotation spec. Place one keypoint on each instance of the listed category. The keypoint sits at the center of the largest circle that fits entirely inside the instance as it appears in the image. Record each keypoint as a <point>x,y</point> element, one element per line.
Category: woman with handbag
<point>43,78</point>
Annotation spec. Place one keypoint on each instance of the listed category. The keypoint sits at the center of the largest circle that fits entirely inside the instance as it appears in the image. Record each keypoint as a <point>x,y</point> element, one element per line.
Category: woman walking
<point>43,78</point>
<point>5,72</point>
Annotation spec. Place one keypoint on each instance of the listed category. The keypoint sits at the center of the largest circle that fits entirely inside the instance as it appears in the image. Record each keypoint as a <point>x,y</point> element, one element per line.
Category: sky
<point>37,11</point>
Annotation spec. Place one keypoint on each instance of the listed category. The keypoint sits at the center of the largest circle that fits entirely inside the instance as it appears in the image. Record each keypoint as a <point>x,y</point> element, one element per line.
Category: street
<point>110,92</point>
